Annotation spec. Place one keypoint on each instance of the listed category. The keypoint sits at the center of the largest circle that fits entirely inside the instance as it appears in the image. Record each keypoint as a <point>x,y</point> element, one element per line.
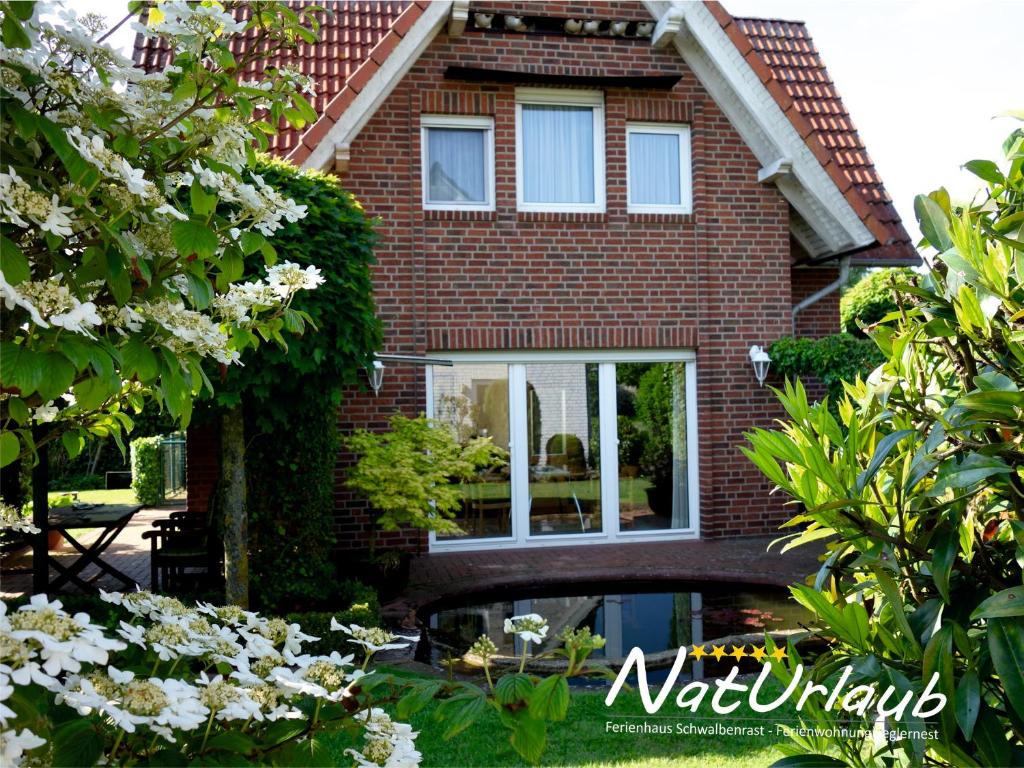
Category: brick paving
<point>129,553</point>
<point>453,575</point>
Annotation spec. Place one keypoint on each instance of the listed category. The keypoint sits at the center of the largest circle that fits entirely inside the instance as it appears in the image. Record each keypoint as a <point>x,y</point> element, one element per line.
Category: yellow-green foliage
<point>147,470</point>
<point>411,474</point>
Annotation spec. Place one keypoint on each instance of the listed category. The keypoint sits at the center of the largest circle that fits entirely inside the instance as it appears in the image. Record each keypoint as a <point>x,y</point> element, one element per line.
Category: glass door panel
<point>472,400</point>
<point>651,421</point>
<point>563,447</point>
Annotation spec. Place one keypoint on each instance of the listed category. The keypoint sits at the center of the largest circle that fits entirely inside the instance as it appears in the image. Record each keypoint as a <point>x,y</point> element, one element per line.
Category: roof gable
<point>367,46</point>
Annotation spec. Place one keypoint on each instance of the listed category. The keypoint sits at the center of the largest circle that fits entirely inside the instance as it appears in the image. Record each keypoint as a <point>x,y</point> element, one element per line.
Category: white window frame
<point>608,417</point>
<point>459,122</point>
<point>565,98</point>
<point>685,168</point>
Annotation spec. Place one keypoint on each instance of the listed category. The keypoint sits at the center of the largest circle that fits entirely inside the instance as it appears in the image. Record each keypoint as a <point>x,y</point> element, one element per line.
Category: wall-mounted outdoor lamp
<point>375,374</point>
<point>760,360</point>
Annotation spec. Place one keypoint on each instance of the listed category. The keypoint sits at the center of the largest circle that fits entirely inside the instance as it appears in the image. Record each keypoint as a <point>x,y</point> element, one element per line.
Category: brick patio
<point>454,575</point>
<point>128,553</point>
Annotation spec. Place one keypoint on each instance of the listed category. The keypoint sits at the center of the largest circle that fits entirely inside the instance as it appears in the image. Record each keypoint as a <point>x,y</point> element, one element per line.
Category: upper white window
<point>559,150</point>
<point>458,162</point>
<point>658,165</point>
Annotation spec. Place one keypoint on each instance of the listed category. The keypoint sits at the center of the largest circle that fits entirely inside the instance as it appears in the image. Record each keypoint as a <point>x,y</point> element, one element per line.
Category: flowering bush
<point>175,682</point>
<point>222,685</point>
<point>127,208</point>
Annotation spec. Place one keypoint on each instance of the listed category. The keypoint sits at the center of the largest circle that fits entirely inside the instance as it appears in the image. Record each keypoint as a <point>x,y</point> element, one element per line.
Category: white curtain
<point>680,500</point>
<point>558,154</point>
<point>456,158</point>
<point>654,168</point>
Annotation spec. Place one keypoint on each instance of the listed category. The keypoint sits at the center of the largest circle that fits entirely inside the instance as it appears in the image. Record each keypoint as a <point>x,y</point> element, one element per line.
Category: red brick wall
<point>717,281</point>
<point>822,317</point>
<point>202,464</point>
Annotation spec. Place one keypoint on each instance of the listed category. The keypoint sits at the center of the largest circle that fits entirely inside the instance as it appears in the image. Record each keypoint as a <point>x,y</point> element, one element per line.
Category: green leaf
<point>193,237</point>
<point>13,263</point>
<point>1009,602</point>
<point>11,33</point>
<point>76,743</point>
<point>57,374</point>
<point>417,698</point>
<point>461,711</point>
<point>934,222</point>
<point>529,737</point>
<point>513,688</point>
<point>990,737</point>
<point>987,170</point>
<point>882,451</point>
<point>200,290</point>
<point>1006,647</point>
<point>946,545</point>
<point>203,203</point>
<point>938,658</point>
<point>232,741</point>
<point>550,699</point>
<point>20,367</point>
<point>138,359</point>
<point>92,392</point>
<point>10,448</point>
<point>967,703</point>
<point>73,443</point>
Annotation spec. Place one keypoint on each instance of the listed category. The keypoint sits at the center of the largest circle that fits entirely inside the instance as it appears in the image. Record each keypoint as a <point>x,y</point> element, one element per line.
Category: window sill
<point>569,216</point>
<point>678,219</point>
<point>459,215</point>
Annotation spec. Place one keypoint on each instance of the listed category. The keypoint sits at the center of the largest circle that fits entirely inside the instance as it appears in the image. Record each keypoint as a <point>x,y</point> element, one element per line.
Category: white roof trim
<point>383,82</point>
<point>764,127</point>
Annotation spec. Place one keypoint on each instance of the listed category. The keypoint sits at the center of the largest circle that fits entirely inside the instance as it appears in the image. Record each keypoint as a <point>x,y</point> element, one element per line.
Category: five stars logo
<point>757,652</point>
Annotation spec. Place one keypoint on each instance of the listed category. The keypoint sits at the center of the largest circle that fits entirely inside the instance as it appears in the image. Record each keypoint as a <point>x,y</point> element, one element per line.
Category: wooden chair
<point>185,550</point>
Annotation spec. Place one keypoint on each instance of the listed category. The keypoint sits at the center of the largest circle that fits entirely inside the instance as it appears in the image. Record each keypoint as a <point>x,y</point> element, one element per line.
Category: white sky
<point>922,79</point>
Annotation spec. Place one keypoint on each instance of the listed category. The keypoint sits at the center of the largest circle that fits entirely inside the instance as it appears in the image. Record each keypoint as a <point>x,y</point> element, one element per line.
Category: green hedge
<point>147,470</point>
<point>832,360</point>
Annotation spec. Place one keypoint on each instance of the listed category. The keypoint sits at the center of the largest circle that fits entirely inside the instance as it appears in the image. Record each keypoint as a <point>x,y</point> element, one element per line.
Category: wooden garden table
<point>112,519</point>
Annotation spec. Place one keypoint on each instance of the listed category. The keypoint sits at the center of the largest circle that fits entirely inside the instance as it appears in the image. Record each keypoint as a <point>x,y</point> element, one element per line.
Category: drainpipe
<point>814,298</point>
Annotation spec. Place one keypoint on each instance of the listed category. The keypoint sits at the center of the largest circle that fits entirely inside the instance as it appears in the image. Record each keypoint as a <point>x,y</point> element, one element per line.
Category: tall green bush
<point>147,470</point>
<point>291,504</point>
<point>918,489</point>
<point>871,298</point>
<point>287,397</point>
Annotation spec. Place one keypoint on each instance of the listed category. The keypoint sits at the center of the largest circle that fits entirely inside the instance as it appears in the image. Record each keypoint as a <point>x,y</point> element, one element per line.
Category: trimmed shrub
<point>870,299</point>
<point>147,470</point>
<point>832,360</point>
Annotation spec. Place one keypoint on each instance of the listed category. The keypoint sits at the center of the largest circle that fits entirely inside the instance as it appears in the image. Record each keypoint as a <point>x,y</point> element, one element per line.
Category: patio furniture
<point>111,519</point>
<point>185,551</point>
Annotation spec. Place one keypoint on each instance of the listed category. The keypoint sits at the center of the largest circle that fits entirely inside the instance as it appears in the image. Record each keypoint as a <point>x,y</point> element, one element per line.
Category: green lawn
<point>582,741</point>
<point>119,496</point>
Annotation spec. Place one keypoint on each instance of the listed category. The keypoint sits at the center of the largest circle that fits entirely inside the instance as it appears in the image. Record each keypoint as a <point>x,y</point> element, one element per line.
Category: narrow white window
<point>559,150</point>
<point>458,162</point>
<point>658,165</point>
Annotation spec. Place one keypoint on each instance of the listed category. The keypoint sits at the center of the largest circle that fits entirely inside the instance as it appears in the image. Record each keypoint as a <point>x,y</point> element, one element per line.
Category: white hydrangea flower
<point>14,745</point>
<point>531,627</point>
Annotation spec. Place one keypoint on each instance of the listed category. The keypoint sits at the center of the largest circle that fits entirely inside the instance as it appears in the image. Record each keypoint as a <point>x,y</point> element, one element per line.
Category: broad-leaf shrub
<point>147,470</point>
<point>127,207</point>
<point>918,488</point>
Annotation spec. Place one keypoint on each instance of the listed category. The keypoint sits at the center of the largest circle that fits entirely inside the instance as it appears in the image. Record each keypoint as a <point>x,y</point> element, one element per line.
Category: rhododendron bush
<point>127,208</point>
<point>173,684</point>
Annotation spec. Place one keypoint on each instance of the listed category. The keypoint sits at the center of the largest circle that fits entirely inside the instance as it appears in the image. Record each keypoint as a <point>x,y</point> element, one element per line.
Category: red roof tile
<point>347,37</point>
<point>813,104</point>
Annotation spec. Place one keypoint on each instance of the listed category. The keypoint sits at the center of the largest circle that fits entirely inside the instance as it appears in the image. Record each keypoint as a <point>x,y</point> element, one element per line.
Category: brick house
<point>593,210</point>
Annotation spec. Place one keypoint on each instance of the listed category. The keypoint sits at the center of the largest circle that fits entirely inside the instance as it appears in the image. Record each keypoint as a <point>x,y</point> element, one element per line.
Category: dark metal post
<point>40,512</point>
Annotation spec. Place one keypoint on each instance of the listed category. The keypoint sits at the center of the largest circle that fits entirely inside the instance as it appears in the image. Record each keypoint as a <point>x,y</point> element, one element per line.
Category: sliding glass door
<point>601,446</point>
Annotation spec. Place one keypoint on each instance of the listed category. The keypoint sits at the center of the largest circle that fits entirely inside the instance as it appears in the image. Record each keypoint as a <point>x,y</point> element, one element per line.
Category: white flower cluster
<point>388,744</point>
<point>19,201</point>
<point>372,639</point>
<point>267,675</point>
<point>50,302</point>
<point>12,520</point>
<point>531,627</point>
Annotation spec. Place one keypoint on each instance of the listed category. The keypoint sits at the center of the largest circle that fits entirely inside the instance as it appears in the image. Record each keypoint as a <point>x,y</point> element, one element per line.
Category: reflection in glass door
<point>652,448</point>
<point>472,400</point>
<point>563,433</point>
